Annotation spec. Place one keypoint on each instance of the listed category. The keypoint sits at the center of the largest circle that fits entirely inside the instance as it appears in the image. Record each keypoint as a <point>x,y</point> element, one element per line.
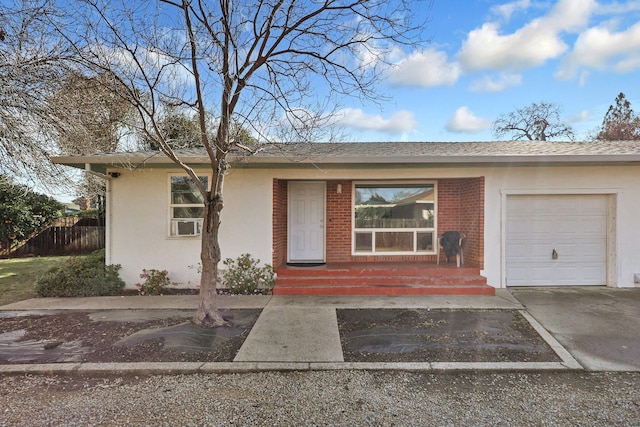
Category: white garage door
<point>554,240</point>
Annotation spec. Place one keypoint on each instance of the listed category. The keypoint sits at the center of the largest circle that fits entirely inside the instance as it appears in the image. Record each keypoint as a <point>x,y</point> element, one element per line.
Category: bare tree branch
<point>32,65</point>
<point>536,122</point>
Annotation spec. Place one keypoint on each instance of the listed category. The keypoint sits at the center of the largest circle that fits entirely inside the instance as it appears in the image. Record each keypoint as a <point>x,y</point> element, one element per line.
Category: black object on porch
<point>451,243</point>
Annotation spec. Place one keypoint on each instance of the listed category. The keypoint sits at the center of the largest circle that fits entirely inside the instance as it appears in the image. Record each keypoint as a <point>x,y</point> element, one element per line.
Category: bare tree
<point>47,106</point>
<point>32,63</point>
<point>620,123</point>
<point>91,118</point>
<point>257,65</point>
<point>536,122</point>
<point>94,118</point>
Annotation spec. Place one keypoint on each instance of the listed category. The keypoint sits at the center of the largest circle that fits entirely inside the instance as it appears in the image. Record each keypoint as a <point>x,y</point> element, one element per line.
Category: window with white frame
<point>186,206</point>
<point>394,218</point>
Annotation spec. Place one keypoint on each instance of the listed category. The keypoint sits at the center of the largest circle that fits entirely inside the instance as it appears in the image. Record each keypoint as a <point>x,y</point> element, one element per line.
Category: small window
<point>186,206</point>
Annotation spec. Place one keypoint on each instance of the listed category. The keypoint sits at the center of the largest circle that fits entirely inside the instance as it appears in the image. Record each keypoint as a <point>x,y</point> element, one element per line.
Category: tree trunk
<point>207,313</point>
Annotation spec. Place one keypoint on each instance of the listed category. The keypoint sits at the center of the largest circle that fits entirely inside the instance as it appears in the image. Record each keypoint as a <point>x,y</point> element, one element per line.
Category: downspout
<point>107,231</point>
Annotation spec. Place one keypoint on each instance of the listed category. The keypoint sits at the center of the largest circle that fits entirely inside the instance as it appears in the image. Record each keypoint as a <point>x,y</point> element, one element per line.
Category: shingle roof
<point>447,149</point>
<point>397,152</point>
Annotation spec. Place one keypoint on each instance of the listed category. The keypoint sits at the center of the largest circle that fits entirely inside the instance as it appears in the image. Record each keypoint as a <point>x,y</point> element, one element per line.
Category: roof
<point>362,153</point>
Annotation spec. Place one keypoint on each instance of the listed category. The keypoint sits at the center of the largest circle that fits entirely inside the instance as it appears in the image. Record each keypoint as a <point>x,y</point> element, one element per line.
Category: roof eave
<point>101,162</point>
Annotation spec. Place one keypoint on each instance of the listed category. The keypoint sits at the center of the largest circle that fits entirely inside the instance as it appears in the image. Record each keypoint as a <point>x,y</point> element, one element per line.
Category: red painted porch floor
<point>381,279</point>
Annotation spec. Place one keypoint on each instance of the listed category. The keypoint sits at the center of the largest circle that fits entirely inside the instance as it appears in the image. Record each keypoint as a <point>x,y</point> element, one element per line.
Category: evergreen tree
<point>620,123</point>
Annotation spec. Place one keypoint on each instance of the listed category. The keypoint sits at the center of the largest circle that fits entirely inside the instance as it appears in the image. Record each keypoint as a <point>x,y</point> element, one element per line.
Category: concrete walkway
<point>301,333</point>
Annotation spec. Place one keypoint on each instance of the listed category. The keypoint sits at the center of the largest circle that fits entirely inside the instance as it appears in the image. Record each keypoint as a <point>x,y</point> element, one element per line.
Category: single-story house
<point>365,218</point>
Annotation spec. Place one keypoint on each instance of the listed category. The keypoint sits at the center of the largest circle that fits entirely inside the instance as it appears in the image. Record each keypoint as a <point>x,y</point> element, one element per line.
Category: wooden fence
<point>66,236</point>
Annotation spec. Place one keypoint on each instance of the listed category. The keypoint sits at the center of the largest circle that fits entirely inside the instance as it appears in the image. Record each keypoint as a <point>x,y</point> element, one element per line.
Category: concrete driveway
<point>599,326</point>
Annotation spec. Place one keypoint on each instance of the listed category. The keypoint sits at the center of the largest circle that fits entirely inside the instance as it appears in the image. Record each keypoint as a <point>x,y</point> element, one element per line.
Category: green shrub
<point>81,277</point>
<point>244,277</point>
<point>89,213</point>
<point>156,282</point>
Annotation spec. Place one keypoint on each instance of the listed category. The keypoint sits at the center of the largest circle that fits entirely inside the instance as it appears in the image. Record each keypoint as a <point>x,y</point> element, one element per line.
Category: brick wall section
<point>448,205</point>
<point>279,222</point>
<point>472,219</point>
<point>338,221</point>
<point>448,208</point>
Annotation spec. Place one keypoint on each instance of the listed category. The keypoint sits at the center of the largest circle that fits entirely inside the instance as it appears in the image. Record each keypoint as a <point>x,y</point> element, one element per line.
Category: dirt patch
<point>422,335</point>
<point>367,335</point>
<point>121,336</point>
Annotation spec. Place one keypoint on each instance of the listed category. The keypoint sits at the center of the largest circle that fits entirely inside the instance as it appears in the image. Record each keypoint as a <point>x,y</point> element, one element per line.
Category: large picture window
<point>186,206</point>
<point>394,218</point>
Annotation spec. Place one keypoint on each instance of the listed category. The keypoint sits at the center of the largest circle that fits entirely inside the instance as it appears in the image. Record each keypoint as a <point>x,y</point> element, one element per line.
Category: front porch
<point>346,269</point>
<point>383,279</point>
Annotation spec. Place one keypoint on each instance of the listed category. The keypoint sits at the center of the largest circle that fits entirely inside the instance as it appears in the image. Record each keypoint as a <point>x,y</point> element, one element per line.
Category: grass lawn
<point>18,276</point>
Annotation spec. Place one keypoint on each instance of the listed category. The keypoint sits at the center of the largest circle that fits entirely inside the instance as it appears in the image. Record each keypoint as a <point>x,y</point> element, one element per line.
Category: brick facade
<point>471,216</point>
<point>460,207</point>
<point>338,221</point>
<point>279,222</point>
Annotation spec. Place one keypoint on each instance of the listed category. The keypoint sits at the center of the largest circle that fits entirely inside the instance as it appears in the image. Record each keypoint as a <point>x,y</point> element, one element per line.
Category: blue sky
<point>488,57</point>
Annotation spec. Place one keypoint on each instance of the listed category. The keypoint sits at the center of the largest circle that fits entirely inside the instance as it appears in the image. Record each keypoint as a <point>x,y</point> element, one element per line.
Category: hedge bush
<point>81,277</point>
<point>156,282</point>
<point>244,277</point>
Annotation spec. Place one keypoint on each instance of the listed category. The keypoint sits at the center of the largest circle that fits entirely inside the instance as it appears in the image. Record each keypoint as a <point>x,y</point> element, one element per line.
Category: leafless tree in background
<point>94,119</point>
<point>536,122</point>
<point>32,63</point>
<point>257,66</point>
<point>48,106</point>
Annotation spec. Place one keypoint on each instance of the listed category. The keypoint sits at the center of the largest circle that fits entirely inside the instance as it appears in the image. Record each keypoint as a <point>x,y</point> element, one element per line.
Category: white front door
<point>556,240</point>
<point>306,222</point>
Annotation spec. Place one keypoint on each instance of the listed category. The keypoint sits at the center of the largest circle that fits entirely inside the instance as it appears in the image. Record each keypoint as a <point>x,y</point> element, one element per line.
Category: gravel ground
<point>339,398</point>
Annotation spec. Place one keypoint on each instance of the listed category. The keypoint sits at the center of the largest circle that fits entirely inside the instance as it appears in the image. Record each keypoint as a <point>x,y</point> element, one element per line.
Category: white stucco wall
<point>138,235</point>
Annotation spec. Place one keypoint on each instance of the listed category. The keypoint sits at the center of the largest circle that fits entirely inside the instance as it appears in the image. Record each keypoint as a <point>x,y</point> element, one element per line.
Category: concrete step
<point>377,270</point>
<point>380,280</point>
<point>368,290</point>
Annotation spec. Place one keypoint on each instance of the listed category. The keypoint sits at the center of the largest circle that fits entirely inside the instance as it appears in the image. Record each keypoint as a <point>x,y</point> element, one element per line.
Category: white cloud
<point>464,120</point>
<point>370,54</point>
<point>631,63</point>
<point>494,85</point>
<point>486,48</point>
<point>153,64</point>
<point>425,69</point>
<point>603,48</point>
<point>582,116</point>
<point>616,8</point>
<point>582,80</point>
<point>508,9</point>
<point>401,122</point>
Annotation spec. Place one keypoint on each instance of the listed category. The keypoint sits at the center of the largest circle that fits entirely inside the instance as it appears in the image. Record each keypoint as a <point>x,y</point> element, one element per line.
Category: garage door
<point>554,240</point>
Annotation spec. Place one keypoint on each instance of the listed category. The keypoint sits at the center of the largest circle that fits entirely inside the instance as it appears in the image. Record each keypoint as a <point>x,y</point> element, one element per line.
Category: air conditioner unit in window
<point>187,227</point>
